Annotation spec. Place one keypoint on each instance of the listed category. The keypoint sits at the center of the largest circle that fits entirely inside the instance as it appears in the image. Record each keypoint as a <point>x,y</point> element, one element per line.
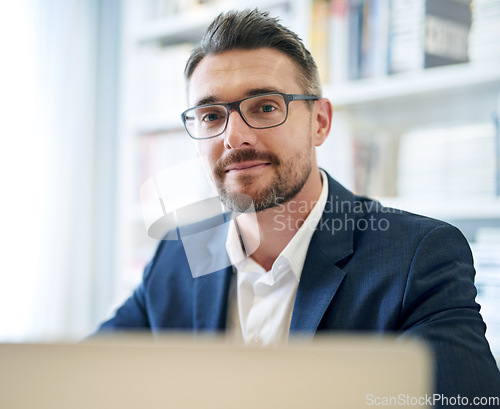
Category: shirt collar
<point>296,250</point>
<point>294,254</point>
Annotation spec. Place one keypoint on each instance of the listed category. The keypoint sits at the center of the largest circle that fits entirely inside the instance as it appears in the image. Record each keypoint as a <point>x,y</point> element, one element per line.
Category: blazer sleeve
<point>439,306</point>
<point>133,313</point>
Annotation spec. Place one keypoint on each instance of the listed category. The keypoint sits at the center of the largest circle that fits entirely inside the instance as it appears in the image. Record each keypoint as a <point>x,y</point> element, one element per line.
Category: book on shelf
<point>355,22</point>
<point>319,37</point>
<point>338,61</point>
<point>428,33</point>
<point>375,39</point>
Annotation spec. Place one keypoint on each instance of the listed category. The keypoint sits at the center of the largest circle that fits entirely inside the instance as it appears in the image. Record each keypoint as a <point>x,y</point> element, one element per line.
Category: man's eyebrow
<point>214,99</point>
<point>258,91</point>
<point>211,99</point>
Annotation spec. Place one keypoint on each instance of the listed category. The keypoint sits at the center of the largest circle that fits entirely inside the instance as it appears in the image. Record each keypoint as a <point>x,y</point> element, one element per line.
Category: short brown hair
<point>250,30</point>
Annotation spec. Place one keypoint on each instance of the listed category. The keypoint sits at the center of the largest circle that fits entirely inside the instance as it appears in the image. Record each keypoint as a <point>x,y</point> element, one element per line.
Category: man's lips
<point>239,166</point>
<point>240,162</point>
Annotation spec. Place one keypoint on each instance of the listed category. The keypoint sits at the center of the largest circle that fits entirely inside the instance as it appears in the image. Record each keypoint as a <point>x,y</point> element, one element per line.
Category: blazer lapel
<point>213,276</point>
<point>211,299</point>
<point>317,287</point>
<point>321,278</point>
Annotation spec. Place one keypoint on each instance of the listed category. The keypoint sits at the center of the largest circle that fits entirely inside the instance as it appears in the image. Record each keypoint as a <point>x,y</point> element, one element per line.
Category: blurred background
<point>91,93</point>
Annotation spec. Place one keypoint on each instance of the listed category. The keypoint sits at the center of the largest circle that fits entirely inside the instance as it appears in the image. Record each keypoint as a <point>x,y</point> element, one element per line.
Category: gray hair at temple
<point>250,30</point>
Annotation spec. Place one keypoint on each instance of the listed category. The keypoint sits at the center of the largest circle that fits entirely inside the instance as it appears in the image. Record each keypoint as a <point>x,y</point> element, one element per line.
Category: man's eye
<point>211,117</point>
<point>267,108</point>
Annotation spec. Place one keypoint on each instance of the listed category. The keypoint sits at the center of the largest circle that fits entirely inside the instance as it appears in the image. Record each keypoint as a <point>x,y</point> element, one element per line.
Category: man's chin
<point>245,202</point>
<point>237,202</point>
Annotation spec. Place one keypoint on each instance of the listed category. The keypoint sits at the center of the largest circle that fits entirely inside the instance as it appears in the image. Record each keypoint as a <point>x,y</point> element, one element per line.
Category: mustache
<point>243,156</point>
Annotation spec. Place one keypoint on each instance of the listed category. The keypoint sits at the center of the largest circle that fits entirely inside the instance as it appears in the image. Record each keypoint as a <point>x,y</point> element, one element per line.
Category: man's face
<point>268,165</point>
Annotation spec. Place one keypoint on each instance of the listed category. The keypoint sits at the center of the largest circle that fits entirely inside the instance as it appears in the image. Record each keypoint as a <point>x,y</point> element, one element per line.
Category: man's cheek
<point>212,149</point>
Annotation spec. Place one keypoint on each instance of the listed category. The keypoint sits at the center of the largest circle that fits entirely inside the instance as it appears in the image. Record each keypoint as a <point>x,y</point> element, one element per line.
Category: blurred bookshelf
<point>415,86</point>
<point>408,85</point>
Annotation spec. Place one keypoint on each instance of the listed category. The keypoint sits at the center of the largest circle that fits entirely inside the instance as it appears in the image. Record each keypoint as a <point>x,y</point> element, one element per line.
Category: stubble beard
<point>289,179</point>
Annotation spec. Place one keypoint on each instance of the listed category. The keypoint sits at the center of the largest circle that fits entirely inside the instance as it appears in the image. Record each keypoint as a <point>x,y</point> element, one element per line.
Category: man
<point>323,260</point>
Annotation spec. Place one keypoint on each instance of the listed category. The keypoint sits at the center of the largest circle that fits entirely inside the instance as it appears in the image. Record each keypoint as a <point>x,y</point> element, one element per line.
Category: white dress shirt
<point>261,302</point>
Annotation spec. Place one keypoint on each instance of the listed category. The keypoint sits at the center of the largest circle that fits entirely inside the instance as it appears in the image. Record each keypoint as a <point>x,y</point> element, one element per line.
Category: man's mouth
<point>245,161</point>
<point>247,165</point>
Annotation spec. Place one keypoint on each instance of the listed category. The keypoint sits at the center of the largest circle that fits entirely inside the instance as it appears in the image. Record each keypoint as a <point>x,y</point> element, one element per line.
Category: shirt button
<point>256,341</point>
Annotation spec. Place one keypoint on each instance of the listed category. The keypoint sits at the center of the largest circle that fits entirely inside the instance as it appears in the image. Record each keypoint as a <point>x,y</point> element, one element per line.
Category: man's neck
<point>278,225</point>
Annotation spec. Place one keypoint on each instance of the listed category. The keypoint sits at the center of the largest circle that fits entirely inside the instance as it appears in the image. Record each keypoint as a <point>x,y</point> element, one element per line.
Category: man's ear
<point>322,119</point>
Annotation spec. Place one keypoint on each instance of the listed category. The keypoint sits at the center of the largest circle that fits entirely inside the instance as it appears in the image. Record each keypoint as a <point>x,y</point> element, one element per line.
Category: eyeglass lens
<point>258,112</point>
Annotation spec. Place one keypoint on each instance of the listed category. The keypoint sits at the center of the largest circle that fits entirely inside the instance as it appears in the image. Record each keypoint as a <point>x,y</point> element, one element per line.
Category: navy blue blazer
<point>369,269</point>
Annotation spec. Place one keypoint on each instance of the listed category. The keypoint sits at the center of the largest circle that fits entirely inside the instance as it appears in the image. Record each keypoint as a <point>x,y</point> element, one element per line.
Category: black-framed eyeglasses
<point>259,112</point>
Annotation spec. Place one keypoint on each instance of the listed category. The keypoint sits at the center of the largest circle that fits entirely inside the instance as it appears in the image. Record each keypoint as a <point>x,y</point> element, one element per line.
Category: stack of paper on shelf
<point>448,162</point>
<point>484,41</point>
<point>405,34</point>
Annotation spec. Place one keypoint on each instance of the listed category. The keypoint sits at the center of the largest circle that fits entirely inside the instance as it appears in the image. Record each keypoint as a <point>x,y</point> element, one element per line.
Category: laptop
<point>177,372</point>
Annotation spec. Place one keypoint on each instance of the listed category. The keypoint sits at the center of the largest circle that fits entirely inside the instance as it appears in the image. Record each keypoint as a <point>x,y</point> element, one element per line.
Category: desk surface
<point>180,373</point>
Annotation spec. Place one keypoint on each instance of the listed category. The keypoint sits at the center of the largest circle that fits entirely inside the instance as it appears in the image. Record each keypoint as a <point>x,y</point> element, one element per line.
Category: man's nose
<point>238,134</point>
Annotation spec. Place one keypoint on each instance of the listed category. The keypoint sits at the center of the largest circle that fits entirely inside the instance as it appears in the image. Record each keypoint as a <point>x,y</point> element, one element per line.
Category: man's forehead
<point>238,73</point>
